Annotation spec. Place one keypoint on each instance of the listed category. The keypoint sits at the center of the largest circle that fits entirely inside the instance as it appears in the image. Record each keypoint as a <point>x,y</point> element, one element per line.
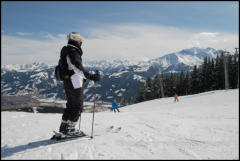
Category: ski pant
<point>176,99</point>
<point>74,105</point>
<point>116,109</point>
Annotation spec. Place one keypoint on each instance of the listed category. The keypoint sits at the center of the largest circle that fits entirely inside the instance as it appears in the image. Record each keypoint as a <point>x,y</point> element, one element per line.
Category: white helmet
<point>75,36</point>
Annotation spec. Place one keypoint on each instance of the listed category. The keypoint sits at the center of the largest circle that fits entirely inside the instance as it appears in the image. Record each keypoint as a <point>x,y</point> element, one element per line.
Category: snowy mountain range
<point>118,77</point>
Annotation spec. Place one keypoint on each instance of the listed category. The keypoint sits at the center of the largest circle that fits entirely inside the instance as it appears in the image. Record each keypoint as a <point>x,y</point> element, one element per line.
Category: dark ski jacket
<point>75,55</point>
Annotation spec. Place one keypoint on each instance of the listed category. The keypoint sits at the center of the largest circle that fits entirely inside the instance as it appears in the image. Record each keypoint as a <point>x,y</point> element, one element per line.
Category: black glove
<point>96,76</point>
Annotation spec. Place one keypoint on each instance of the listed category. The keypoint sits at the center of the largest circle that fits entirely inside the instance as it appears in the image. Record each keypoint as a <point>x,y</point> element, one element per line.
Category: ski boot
<point>67,129</point>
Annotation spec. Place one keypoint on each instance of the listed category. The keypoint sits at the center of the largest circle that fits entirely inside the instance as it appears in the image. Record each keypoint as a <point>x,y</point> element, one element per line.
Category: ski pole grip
<point>97,73</point>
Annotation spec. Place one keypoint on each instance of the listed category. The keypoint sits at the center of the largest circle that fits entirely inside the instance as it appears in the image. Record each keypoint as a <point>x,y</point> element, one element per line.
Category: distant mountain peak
<point>26,67</point>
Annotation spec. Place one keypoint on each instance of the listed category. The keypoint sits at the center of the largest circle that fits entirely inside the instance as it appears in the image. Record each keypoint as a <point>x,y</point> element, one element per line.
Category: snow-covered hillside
<point>201,126</point>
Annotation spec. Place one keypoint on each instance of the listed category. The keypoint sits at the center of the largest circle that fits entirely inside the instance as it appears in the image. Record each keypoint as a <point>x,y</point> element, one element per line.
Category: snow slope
<point>201,126</point>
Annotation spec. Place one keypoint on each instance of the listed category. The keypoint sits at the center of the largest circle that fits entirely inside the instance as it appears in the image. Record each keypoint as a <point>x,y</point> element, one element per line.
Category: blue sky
<point>50,21</point>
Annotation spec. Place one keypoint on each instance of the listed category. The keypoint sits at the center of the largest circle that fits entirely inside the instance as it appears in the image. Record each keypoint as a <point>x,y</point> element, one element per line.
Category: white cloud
<point>136,40</point>
<point>62,36</point>
<point>206,35</point>
<point>124,40</point>
<point>216,40</point>
<point>23,33</point>
<point>17,50</point>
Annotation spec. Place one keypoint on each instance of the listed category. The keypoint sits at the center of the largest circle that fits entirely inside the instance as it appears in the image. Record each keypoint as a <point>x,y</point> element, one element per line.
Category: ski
<point>59,140</point>
<point>54,141</point>
<point>60,136</point>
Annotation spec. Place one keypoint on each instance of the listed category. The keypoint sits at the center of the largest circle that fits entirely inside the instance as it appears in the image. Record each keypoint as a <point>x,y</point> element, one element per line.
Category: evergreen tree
<point>212,76</point>
<point>220,72</point>
<point>182,83</point>
<point>203,76</point>
<point>166,85</point>
<point>235,71</point>
<point>161,84</point>
<point>186,84</point>
<point>156,87</point>
<point>169,85</point>
<point>148,89</point>
<point>208,73</point>
<point>195,81</point>
<point>236,68</point>
<point>172,84</point>
<point>230,71</point>
<point>140,96</point>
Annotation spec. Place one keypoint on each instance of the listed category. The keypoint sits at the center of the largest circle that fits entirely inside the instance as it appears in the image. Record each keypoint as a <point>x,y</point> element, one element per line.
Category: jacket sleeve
<point>76,60</point>
<point>63,58</point>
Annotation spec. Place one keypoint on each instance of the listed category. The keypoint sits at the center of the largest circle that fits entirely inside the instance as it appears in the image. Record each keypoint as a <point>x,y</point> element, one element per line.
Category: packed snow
<point>200,126</point>
<point>138,77</point>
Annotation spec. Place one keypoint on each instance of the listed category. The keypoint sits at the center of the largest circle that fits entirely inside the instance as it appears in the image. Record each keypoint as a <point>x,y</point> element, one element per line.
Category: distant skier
<point>74,77</point>
<point>115,106</point>
<point>176,97</point>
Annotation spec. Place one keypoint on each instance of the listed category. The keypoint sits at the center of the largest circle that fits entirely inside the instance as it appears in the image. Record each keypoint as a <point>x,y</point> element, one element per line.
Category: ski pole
<point>93,108</point>
<point>80,120</point>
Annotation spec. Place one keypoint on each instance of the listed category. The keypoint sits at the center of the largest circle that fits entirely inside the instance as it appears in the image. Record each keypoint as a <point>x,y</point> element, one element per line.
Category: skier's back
<point>115,106</point>
<point>74,77</point>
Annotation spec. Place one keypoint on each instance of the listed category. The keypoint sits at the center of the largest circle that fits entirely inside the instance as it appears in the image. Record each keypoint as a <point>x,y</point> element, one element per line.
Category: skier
<point>74,77</point>
<point>176,97</point>
<point>115,106</point>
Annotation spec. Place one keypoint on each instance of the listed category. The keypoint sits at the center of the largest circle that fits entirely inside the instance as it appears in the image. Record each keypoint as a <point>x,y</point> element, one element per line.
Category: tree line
<point>210,75</point>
